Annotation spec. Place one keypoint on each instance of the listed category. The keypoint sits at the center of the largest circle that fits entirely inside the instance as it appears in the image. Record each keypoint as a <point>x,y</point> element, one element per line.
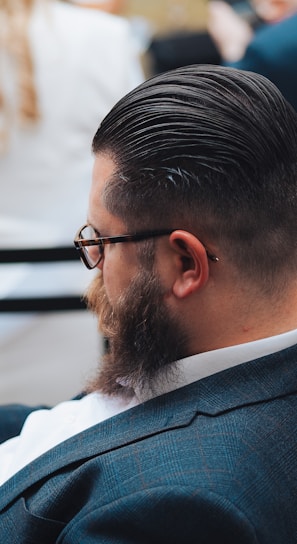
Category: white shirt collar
<point>205,364</point>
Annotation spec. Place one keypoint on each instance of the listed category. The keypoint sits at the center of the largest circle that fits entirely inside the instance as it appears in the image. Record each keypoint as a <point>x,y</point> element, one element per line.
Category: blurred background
<point>63,65</point>
<point>163,20</point>
<point>81,57</point>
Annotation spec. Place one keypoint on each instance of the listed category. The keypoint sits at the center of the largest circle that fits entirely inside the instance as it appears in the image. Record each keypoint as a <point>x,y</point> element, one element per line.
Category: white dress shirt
<point>44,429</point>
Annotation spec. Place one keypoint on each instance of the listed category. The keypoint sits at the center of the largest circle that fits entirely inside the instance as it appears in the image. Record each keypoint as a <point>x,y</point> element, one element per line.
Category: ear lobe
<point>192,263</point>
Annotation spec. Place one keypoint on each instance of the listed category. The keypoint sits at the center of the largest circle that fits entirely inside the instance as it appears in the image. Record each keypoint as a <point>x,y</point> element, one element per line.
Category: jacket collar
<point>253,382</point>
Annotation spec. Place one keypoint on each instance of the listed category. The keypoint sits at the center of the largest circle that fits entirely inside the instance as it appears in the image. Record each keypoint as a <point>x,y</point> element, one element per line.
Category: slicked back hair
<point>212,150</point>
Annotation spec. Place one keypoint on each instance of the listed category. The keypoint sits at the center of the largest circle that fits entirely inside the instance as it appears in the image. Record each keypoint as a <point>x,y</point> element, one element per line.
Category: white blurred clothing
<point>84,61</point>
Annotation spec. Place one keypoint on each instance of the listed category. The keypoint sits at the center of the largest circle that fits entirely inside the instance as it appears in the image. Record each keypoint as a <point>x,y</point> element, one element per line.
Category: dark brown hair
<point>213,150</point>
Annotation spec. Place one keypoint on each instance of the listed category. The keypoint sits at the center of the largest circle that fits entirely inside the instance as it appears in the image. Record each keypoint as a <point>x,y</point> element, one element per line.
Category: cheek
<point>118,272</point>
<point>112,283</point>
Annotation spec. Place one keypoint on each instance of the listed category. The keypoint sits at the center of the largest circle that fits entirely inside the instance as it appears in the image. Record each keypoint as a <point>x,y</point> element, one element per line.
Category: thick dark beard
<point>143,337</point>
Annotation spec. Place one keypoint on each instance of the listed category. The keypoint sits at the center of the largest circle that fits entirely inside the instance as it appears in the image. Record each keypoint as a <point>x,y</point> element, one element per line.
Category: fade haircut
<point>212,150</point>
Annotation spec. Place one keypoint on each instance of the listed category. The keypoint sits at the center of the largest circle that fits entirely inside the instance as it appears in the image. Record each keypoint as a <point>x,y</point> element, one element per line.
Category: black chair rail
<point>40,303</point>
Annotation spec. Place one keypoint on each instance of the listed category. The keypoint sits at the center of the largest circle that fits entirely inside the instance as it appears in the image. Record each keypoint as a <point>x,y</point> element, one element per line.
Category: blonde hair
<point>15,49</point>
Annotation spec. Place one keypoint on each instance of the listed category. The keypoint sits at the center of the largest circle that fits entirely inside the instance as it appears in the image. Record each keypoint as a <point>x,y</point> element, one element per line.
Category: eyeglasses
<point>91,245</point>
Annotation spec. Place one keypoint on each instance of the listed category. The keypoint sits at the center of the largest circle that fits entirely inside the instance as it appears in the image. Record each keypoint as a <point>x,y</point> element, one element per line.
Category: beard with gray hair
<point>143,337</point>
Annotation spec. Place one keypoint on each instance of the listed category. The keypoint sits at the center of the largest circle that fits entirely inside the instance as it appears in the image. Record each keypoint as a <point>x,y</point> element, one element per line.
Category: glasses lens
<point>93,253</point>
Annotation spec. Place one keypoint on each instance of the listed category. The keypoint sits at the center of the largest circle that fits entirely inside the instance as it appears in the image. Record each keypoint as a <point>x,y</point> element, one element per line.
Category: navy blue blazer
<point>215,461</point>
<point>273,53</point>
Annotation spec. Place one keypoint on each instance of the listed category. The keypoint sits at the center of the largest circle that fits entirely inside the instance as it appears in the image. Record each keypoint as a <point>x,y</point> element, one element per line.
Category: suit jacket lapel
<point>256,381</point>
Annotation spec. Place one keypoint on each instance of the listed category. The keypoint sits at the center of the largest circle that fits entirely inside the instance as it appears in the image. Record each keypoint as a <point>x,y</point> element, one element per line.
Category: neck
<point>237,317</point>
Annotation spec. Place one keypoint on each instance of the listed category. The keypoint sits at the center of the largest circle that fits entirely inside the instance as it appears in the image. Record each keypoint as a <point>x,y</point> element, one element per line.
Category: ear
<point>192,263</point>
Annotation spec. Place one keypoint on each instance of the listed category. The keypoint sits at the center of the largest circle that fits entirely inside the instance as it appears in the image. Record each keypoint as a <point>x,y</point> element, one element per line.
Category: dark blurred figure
<point>260,36</point>
<point>195,47</point>
<point>271,50</point>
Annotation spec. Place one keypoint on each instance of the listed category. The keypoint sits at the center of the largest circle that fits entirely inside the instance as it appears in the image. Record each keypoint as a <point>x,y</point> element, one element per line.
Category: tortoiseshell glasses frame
<point>91,249</point>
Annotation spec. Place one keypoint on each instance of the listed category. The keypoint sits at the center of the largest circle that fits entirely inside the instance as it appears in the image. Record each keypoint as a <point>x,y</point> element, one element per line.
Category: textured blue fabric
<point>215,461</point>
<point>273,53</point>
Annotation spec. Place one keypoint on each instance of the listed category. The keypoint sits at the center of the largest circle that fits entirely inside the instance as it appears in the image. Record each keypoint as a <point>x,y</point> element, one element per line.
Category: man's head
<point>212,150</point>
<point>210,153</point>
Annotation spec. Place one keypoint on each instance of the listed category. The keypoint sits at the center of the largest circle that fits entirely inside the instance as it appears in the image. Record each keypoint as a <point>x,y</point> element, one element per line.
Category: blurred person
<point>187,432</point>
<point>183,47</point>
<point>62,67</point>
<point>260,36</point>
<point>270,50</point>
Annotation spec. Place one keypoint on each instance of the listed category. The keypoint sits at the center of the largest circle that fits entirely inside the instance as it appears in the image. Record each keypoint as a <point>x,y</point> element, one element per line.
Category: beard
<point>142,335</point>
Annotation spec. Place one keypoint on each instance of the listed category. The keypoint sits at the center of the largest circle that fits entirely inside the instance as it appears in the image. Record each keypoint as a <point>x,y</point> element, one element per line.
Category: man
<point>192,225</point>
